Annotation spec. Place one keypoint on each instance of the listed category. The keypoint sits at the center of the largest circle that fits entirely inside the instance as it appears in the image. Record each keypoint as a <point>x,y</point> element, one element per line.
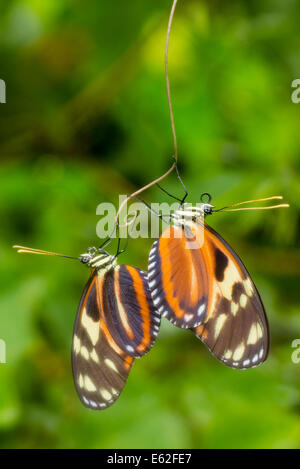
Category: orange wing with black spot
<point>197,281</point>
<point>115,323</point>
<point>178,276</point>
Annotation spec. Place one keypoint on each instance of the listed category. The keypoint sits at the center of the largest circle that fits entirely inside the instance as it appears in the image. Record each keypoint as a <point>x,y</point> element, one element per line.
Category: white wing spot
<point>228,354</point>
<point>201,309</point>
<point>105,394</point>
<point>84,353</point>
<point>234,308</point>
<point>255,358</point>
<point>243,300</point>
<point>76,344</point>
<point>252,338</point>
<point>248,287</point>
<point>91,327</point>
<point>239,352</point>
<point>188,317</point>
<point>259,331</point>
<point>219,324</point>
<point>231,274</point>
<point>156,301</point>
<point>88,384</point>
<point>111,365</point>
<point>94,356</point>
<point>80,381</point>
<point>152,284</point>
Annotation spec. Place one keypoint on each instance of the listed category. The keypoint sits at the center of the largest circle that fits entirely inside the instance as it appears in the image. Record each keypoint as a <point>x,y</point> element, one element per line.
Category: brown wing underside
<point>198,282</point>
<point>115,323</point>
<point>236,328</point>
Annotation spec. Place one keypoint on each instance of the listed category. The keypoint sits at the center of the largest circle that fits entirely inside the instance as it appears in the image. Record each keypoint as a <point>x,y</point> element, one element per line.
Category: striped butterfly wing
<point>115,323</point>
<point>178,277</point>
<point>236,328</point>
<point>197,281</point>
<point>128,310</point>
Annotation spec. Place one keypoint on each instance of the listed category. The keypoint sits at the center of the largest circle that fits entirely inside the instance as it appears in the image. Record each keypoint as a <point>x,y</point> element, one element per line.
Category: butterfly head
<point>98,259</point>
<point>186,212</point>
<point>207,209</point>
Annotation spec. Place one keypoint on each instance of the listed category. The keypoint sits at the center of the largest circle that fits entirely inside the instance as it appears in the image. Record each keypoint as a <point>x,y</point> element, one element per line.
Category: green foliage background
<point>87,119</point>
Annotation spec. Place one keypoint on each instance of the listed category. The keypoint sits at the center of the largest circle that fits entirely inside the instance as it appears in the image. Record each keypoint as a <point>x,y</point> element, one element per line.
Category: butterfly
<point>115,324</point>
<point>198,282</point>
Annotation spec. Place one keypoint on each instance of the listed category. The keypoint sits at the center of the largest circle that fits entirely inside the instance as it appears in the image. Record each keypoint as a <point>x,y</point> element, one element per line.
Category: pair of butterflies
<point>194,279</point>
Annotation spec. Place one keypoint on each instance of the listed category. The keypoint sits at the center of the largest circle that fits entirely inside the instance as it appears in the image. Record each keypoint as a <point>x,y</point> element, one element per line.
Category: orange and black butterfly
<point>198,282</point>
<point>115,323</point>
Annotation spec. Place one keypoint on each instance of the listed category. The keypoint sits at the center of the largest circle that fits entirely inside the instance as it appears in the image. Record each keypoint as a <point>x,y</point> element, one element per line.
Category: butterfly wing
<point>178,277</point>
<point>128,309</point>
<point>197,281</point>
<point>236,328</point>
<point>102,351</point>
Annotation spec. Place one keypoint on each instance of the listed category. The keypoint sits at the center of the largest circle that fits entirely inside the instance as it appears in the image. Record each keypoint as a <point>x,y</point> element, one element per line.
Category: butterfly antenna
<point>26,250</point>
<point>270,207</point>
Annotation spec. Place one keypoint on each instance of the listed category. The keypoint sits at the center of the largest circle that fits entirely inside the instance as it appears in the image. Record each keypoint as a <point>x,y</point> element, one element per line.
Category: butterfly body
<point>198,282</point>
<point>115,323</point>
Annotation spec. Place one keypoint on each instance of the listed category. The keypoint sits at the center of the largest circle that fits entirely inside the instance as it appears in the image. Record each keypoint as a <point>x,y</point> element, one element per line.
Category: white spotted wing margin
<point>236,330</point>
<point>101,355</point>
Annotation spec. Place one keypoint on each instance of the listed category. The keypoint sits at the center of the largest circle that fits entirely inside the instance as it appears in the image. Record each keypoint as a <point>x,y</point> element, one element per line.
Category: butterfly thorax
<point>98,259</point>
<point>187,213</point>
